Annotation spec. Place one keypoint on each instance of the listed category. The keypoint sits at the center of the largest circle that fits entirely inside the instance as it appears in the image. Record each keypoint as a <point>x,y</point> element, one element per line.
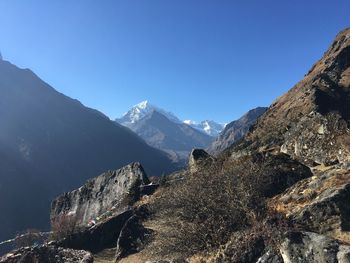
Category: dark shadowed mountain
<point>235,130</point>
<point>50,143</point>
<point>176,138</point>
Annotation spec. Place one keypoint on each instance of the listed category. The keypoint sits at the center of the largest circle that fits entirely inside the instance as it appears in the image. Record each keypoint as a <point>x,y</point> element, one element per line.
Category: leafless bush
<point>207,209</point>
<point>63,226</point>
<point>201,213</point>
<point>249,244</point>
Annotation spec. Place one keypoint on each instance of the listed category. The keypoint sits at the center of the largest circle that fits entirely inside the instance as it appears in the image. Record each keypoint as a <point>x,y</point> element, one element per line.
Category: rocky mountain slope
<point>235,130</point>
<point>310,122</point>
<point>164,131</point>
<point>50,143</point>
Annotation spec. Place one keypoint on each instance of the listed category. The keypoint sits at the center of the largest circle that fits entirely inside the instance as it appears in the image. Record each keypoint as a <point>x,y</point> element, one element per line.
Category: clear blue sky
<point>200,59</point>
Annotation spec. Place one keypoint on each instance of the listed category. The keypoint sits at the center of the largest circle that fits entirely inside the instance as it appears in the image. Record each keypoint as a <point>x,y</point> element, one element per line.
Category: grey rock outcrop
<point>101,236</point>
<point>132,238</point>
<point>295,247</point>
<point>198,159</point>
<point>47,254</point>
<point>101,197</point>
<point>318,139</point>
<point>308,247</point>
<point>319,203</point>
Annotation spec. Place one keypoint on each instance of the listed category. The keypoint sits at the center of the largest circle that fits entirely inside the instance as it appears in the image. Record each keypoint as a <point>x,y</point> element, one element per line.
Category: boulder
<point>98,237</point>
<point>199,159</point>
<point>100,197</point>
<point>132,238</point>
<point>319,203</point>
<point>308,247</point>
<point>47,254</point>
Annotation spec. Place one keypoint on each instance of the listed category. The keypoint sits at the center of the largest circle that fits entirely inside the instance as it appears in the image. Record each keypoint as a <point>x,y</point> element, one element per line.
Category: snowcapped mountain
<point>209,127</point>
<point>141,110</point>
<point>144,109</point>
<point>163,130</point>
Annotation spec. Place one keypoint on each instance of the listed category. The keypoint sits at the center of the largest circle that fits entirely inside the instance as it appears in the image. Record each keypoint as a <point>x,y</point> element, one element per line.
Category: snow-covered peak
<point>189,122</point>
<point>145,108</point>
<point>142,105</point>
<point>141,110</point>
<point>209,127</point>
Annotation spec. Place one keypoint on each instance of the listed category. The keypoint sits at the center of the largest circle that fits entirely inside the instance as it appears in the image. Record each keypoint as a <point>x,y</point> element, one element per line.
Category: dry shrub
<point>63,226</point>
<point>201,213</point>
<point>207,209</point>
<point>249,244</point>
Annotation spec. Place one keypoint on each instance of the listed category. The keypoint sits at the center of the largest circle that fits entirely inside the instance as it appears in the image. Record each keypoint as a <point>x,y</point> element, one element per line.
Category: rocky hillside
<point>50,143</point>
<point>281,194</point>
<point>235,130</point>
<point>310,122</point>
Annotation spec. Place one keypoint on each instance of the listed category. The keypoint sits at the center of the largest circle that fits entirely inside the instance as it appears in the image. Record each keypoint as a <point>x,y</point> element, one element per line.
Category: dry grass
<point>306,193</point>
<point>105,256</point>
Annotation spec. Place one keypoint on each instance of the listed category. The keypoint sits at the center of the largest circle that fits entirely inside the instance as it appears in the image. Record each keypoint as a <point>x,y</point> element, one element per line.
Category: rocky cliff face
<point>105,194</point>
<point>310,122</point>
<point>235,130</point>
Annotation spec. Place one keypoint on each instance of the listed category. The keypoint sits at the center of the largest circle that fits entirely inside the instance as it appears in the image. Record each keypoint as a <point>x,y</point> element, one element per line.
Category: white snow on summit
<point>209,127</point>
<point>144,109</point>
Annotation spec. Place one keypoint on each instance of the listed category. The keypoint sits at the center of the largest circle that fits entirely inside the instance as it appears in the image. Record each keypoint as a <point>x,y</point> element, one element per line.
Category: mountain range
<point>145,108</point>
<point>278,189</point>
<point>50,143</point>
<point>164,130</point>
